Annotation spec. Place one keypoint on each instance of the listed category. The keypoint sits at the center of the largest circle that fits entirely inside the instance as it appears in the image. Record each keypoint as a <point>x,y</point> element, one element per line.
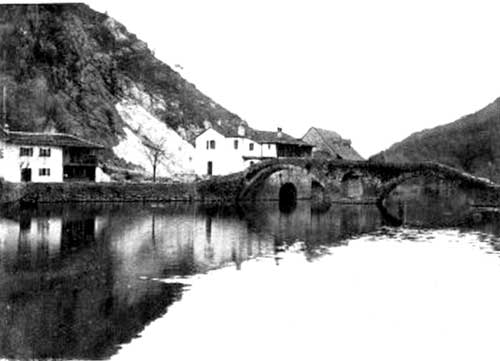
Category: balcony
<point>84,159</point>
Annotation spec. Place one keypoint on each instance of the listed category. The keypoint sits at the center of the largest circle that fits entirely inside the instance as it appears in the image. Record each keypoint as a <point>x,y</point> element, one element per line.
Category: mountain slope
<point>70,69</point>
<point>470,143</point>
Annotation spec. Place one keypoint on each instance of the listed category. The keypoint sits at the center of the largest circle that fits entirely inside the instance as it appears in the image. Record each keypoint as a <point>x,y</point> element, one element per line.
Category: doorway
<point>26,175</point>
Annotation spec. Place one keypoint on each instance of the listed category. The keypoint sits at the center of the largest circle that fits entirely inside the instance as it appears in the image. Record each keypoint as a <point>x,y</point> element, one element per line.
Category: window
<point>250,146</point>
<point>1,152</point>
<point>236,144</point>
<point>269,146</point>
<point>44,152</point>
<point>44,172</point>
<point>212,144</point>
<point>25,152</point>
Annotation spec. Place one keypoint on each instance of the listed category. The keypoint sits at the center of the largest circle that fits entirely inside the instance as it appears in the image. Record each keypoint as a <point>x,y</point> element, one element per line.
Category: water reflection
<point>76,280</point>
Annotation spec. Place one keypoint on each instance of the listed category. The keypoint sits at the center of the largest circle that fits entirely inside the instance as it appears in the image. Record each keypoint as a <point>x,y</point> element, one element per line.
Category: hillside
<point>68,68</point>
<point>470,143</point>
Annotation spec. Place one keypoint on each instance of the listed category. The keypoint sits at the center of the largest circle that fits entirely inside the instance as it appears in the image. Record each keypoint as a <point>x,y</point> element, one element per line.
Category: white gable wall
<point>225,157</point>
<point>11,163</point>
<point>269,150</point>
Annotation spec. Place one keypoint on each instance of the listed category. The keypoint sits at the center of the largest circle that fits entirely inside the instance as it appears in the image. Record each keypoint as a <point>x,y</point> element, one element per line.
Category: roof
<point>332,142</point>
<point>258,136</point>
<point>48,139</point>
<point>262,136</point>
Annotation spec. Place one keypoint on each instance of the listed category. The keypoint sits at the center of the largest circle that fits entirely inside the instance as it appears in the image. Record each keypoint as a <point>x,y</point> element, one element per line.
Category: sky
<point>373,71</point>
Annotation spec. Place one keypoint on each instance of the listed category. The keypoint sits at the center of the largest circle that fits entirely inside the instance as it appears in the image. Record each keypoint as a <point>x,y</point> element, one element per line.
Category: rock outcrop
<point>68,68</point>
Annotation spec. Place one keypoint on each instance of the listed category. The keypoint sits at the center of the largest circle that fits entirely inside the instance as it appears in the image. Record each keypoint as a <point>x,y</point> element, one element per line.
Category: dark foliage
<point>65,69</point>
<point>470,144</point>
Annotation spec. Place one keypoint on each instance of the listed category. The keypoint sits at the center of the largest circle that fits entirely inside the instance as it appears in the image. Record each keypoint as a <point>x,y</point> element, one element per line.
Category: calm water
<point>191,281</point>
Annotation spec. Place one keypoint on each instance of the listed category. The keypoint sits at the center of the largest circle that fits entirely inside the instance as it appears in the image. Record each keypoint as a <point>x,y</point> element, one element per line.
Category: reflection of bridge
<point>361,181</point>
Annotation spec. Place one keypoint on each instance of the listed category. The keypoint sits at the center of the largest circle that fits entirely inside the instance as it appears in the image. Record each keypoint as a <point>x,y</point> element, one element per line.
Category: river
<point>184,281</point>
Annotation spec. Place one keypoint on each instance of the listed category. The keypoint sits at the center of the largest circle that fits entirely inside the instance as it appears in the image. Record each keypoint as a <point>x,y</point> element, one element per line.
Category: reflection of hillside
<point>72,277</point>
<point>75,318</point>
<point>59,294</point>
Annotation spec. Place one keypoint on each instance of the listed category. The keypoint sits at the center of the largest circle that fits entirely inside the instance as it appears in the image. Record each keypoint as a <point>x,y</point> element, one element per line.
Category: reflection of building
<point>222,150</point>
<point>46,157</point>
<point>72,277</point>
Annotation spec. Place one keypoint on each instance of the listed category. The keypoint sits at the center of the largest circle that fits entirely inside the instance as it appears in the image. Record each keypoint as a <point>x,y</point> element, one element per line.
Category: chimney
<point>241,130</point>
<point>280,132</point>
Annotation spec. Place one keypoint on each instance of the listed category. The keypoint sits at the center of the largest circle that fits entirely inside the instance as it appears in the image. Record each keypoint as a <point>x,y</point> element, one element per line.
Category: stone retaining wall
<point>215,189</point>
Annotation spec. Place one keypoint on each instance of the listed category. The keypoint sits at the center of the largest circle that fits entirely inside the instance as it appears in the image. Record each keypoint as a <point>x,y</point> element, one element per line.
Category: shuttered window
<point>26,152</point>
<point>44,172</point>
<point>44,152</point>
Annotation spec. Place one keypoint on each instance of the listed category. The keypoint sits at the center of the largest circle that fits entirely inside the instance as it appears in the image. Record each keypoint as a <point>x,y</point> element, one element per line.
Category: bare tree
<point>156,153</point>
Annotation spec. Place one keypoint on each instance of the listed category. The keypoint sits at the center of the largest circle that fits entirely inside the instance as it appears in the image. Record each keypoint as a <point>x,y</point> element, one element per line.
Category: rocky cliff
<point>470,143</point>
<point>67,68</point>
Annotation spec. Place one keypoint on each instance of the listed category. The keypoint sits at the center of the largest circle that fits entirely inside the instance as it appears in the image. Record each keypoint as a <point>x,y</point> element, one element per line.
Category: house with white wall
<point>220,150</point>
<point>47,157</point>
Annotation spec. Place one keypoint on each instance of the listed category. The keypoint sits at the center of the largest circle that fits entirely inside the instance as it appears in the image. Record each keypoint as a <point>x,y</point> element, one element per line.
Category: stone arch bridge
<point>329,180</point>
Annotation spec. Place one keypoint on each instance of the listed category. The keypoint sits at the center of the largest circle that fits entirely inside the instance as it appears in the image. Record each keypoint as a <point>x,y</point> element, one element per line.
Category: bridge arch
<point>351,185</point>
<point>287,197</point>
<point>280,174</point>
<point>378,180</point>
<point>388,186</point>
<point>442,205</point>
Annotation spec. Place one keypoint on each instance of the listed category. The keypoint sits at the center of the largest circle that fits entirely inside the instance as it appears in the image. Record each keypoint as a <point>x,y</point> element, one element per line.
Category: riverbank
<point>213,190</point>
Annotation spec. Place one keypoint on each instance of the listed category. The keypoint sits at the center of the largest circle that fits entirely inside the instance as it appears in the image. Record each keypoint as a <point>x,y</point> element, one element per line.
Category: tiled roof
<point>47,139</point>
<point>335,144</point>
<point>262,136</point>
<point>259,136</point>
<point>226,131</point>
<point>328,135</point>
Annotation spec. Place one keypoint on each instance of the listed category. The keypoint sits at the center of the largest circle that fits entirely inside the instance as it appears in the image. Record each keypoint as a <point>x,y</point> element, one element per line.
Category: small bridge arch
<point>351,184</point>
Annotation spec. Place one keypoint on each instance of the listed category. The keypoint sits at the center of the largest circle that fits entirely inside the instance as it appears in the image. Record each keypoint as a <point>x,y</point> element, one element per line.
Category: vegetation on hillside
<point>470,144</point>
<point>65,66</point>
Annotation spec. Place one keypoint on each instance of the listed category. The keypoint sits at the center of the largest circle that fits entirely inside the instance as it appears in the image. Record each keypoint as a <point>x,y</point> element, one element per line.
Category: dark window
<point>209,168</point>
<point>26,152</point>
<point>250,146</point>
<point>44,152</point>
<point>44,172</point>
<point>208,144</point>
<point>1,152</point>
<point>212,144</point>
<point>269,146</point>
<point>236,144</point>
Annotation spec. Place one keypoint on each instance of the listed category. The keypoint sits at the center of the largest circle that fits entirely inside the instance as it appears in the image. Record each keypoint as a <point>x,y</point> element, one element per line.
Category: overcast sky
<point>374,71</point>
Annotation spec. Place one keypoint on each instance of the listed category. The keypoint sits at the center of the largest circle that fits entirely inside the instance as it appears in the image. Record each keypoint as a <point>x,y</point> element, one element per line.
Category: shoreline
<point>217,190</point>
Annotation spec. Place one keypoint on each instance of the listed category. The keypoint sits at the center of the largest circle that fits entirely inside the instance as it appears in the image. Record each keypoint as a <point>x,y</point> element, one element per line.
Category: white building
<point>220,150</point>
<point>46,157</point>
